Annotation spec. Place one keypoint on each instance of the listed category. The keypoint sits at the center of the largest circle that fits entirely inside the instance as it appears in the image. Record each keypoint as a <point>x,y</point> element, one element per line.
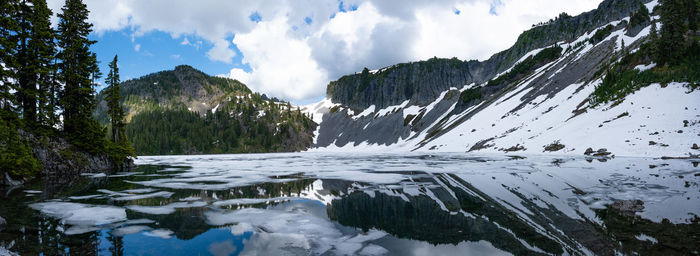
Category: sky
<point>292,49</point>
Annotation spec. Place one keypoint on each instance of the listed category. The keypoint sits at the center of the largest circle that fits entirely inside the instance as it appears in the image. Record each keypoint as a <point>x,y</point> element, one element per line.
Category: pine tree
<point>654,41</point>
<point>26,70</point>
<point>674,27</point>
<point>116,113</point>
<point>16,157</point>
<point>43,50</point>
<point>623,48</point>
<point>8,27</point>
<point>115,110</point>
<point>78,71</point>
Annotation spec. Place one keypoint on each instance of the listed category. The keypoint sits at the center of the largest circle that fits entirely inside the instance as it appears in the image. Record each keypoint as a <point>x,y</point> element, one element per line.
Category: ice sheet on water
<point>163,194</point>
<point>291,229</point>
<point>81,214</point>
<point>164,209</point>
<point>535,177</point>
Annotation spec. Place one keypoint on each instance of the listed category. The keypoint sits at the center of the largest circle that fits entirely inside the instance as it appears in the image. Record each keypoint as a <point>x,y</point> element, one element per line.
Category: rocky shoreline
<point>62,163</point>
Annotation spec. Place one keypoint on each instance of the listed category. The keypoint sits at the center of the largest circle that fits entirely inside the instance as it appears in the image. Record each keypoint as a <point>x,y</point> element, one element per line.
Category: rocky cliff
<point>539,96</point>
<point>421,82</point>
<point>62,163</point>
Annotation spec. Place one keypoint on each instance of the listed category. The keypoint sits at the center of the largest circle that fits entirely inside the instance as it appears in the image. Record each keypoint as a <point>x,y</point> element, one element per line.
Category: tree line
<point>47,84</point>
<point>238,126</point>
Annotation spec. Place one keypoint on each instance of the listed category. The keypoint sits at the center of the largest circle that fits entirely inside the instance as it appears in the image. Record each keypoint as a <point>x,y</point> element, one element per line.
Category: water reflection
<point>521,209</point>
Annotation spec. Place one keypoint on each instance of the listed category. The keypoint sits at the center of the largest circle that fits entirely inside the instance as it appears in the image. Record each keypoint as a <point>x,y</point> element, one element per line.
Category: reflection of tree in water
<point>34,234</point>
<point>671,239</point>
<point>186,223</point>
<point>117,245</point>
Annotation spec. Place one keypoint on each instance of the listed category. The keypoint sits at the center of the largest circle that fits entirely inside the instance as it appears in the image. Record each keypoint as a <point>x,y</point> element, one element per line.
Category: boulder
<point>628,207</point>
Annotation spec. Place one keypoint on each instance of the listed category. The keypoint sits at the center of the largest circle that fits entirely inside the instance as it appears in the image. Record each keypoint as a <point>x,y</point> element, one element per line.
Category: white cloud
<point>222,51</point>
<point>282,65</point>
<point>137,47</point>
<point>295,60</point>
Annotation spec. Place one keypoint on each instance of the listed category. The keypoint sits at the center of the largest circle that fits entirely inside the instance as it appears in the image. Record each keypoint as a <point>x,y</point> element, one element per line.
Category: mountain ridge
<point>422,81</point>
<point>545,103</point>
<point>185,111</point>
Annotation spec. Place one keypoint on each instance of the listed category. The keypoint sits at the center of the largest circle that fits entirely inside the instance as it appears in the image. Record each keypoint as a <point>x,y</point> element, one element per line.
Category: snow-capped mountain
<point>536,97</point>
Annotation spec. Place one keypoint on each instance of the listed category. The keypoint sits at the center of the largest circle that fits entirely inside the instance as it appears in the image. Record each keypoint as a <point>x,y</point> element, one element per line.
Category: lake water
<point>365,204</point>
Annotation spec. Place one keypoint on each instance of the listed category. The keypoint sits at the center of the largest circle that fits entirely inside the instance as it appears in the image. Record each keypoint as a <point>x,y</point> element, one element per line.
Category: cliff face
<point>421,82</point>
<point>62,164</point>
<point>537,101</point>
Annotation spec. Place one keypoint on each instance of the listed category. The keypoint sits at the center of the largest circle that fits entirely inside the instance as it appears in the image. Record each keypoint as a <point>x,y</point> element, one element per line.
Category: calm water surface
<point>362,204</point>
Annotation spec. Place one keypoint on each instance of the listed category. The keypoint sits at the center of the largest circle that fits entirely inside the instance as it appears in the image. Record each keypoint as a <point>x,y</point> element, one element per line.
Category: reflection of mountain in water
<point>187,223</point>
<point>446,209</point>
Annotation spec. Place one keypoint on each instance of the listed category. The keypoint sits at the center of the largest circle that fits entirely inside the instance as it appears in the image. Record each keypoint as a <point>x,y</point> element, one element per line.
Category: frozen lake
<point>366,204</point>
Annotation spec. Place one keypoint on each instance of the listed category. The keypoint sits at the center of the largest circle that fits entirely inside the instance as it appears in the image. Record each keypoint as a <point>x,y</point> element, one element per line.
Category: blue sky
<point>157,51</point>
<point>292,49</point>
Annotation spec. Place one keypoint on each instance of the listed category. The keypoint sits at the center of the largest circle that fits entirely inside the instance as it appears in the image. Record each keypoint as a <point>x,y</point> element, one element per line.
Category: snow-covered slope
<point>547,107</point>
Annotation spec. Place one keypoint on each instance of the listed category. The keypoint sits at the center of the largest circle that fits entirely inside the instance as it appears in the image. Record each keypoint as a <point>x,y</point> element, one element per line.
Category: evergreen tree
<point>672,41</point>
<point>16,157</point>
<point>122,148</point>
<point>654,41</point>
<point>78,71</point>
<point>8,28</point>
<point>26,70</point>
<point>43,50</point>
<point>115,110</point>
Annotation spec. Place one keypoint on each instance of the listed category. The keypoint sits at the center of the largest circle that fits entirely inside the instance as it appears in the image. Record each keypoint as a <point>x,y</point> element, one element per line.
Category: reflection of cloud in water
<point>465,205</point>
<point>407,247</point>
<point>297,227</point>
<point>224,248</point>
<point>161,233</point>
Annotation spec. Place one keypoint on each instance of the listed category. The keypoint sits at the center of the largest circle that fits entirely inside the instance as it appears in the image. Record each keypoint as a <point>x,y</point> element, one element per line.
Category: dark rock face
<point>62,163</point>
<point>421,82</point>
<point>340,129</point>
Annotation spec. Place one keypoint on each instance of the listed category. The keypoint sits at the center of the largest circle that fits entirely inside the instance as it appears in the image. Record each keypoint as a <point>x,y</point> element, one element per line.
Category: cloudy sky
<point>292,48</point>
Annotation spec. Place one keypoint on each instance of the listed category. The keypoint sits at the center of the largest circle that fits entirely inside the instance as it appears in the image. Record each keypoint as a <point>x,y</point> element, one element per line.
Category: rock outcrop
<point>421,82</point>
<point>62,163</point>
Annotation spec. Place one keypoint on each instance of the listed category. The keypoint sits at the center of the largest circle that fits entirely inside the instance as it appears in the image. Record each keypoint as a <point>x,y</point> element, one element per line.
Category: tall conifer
<point>8,27</point>
<point>115,110</point>
<point>43,50</point>
<point>77,70</point>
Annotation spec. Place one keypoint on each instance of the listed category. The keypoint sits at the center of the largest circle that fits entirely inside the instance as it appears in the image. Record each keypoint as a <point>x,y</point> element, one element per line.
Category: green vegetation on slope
<point>236,127</point>
<point>171,89</point>
<point>185,111</point>
<point>528,65</point>
<point>676,52</point>
<point>470,94</point>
